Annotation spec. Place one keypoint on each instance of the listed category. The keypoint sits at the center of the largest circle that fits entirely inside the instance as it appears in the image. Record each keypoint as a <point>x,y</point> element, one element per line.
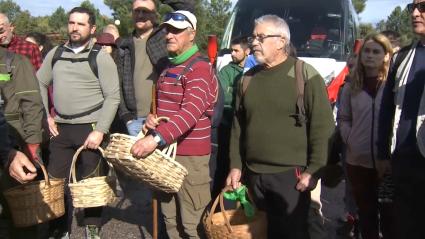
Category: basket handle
<point>72,173</point>
<point>213,207</point>
<point>220,198</point>
<point>45,174</point>
<point>142,134</point>
<point>171,151</point>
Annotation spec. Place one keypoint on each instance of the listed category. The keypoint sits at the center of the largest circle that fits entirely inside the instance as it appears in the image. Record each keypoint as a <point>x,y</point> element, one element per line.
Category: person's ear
<point>247,51</point>
<point>92,29</point>
<point>192,34</point>
<point>281,43</point>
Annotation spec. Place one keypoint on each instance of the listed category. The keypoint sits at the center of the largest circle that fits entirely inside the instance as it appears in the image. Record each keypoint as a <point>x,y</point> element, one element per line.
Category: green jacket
<point>229,77</point>
<point>265,137</point>
<point>23,108</point>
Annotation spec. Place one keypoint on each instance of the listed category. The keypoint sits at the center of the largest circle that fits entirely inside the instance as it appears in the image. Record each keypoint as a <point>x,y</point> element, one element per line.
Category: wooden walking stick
<point>154,200</point>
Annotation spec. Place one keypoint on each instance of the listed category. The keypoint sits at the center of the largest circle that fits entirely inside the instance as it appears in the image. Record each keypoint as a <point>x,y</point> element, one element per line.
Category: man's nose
<point>74,27</point>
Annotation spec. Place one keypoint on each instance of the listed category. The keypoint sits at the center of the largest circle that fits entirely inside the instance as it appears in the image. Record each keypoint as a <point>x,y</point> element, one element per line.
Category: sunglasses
<point>412,6</point>
<point>144,12</point>
<point>177,17</point>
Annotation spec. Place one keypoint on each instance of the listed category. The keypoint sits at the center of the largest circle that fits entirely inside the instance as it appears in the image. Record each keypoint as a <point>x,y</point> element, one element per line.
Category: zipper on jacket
<point>373,133</point>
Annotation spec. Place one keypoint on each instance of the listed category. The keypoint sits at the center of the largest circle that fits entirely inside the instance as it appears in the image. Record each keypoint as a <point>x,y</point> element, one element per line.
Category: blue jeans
<point>135,126</point>
<point>135,190</point>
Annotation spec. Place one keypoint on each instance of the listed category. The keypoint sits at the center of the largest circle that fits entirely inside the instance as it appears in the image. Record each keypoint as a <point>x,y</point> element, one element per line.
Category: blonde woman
<point>358,119</point>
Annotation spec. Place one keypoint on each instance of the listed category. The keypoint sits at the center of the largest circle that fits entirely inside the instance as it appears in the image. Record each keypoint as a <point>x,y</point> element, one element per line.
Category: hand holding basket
<point>159,169</point>
<point>234,224</point>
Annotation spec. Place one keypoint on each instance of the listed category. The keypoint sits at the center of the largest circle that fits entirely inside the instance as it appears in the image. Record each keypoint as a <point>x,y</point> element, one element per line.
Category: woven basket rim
<point>118,153</point>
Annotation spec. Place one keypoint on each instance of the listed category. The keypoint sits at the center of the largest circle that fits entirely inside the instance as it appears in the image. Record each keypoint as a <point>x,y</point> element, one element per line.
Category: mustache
<point>75,32</point>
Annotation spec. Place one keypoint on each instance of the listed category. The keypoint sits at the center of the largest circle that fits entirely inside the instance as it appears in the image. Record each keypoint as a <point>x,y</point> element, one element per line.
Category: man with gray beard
<point>278,150</point>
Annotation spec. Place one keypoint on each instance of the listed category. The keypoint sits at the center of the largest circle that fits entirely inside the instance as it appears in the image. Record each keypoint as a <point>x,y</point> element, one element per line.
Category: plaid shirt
<point>19,46</point>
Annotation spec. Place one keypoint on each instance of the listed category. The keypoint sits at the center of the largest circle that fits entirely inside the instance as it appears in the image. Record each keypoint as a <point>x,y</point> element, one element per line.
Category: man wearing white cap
<point>186,93</point>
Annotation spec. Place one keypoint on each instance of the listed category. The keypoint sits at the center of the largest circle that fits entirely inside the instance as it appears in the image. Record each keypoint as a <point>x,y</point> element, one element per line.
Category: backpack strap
<point>91,58</point>
<point>58,54</point>
<point>9,58</point>
<point>189,66</point>
<point>246,79</point>
<point>300,115</point>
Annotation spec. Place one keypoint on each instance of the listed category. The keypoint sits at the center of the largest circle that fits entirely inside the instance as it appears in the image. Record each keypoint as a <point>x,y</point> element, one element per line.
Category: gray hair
<point>279,25</point>
<point>5,18</point>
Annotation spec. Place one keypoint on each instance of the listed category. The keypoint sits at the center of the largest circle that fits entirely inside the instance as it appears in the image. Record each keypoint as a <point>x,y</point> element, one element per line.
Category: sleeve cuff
<point>127,117</point>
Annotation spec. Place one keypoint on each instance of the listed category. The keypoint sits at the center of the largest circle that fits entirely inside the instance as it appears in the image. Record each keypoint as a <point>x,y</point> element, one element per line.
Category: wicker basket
<point>233,224</point>
<point>159,169</point>
<point>36,202</point>
<point>91,192</point>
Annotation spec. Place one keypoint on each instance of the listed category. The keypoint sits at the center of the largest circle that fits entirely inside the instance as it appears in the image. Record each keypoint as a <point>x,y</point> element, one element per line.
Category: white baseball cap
<point>180,19</point>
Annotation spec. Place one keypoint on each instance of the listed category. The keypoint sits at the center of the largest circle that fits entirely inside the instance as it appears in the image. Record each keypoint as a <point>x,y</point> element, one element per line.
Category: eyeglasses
<point>260,38</point>
<point>177,17</point>
<point>412,6</point>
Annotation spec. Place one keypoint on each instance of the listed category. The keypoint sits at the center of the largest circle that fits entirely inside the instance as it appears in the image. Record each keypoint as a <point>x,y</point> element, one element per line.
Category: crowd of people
<point>274,136</point>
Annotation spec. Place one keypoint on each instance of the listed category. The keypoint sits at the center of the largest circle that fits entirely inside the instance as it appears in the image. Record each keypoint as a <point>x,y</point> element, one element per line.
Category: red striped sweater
<point>189,103</point>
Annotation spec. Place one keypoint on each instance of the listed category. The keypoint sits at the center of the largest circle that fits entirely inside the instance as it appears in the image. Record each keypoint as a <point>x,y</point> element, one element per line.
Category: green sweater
<point>266,132</point>
<point>229,77</point>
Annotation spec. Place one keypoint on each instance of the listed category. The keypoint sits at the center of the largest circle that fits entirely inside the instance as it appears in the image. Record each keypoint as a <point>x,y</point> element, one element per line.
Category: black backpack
<point>91,57</point>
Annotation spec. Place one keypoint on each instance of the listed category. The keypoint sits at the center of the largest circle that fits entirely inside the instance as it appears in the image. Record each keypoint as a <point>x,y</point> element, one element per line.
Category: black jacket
<point>157,51</point>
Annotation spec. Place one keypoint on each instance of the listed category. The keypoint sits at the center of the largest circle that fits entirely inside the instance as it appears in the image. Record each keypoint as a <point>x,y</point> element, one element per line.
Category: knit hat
<point>105,39</point>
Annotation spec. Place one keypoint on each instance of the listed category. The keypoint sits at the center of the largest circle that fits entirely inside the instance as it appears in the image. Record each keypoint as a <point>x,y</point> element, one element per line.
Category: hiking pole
<point>154,200</point>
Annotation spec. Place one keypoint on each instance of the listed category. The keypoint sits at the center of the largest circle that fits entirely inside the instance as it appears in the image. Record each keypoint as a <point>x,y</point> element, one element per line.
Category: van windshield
<point>316,26</point>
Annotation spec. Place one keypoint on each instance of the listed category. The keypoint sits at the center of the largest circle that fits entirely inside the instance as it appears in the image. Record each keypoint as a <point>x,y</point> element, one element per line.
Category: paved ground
<point>131,217</point>
<point>128,218</point>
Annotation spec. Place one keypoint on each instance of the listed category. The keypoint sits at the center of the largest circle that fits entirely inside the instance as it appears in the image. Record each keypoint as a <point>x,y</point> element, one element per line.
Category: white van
<point>323,31</point>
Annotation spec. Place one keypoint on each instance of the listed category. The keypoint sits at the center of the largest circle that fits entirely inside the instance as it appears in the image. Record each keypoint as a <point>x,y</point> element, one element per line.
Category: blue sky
<point>375,10</point>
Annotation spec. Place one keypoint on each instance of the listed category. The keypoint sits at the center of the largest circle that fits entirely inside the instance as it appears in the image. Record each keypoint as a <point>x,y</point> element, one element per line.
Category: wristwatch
<point>157,138</point>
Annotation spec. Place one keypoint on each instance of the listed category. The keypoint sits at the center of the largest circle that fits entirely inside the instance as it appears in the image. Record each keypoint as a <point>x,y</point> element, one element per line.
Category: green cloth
<point>229,77</point>
<point>272,143</point>
<point>21,98</point>
<point>240,195</point>
<point>177,60</point>
<point>4,77</point>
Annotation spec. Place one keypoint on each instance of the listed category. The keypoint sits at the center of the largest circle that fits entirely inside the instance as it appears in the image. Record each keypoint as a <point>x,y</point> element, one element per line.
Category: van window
<point>317,27</point>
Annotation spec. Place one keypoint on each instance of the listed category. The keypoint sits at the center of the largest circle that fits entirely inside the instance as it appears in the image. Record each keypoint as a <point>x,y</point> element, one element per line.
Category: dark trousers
<point>364,185</point>
<point>409,197</point>
<point>62,149</point>
<point>287,209</point>
<point>220,155</point>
